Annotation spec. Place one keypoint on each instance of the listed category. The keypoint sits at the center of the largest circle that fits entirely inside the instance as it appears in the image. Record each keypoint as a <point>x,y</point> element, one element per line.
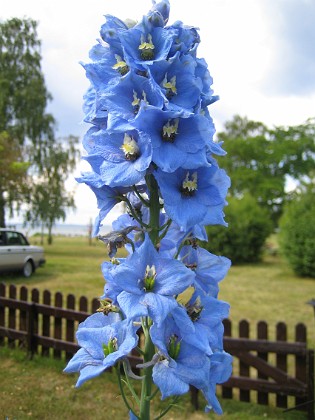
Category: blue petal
<point>165,378</point>
<point>131,305</point>
<point>173,277</point>
<point>158,306</point>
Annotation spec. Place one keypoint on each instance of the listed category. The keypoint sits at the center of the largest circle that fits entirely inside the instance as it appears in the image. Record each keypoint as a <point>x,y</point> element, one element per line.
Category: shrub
<point>297,233</point>
<point>244,239</point>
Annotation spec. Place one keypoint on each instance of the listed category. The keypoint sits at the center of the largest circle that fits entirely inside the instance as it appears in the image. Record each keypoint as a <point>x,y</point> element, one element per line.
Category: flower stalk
<point>151,147</point>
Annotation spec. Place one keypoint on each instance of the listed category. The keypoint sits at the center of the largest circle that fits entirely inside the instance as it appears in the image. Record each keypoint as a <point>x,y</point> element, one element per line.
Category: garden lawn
<point>37,389</point>
<point>266,291</point>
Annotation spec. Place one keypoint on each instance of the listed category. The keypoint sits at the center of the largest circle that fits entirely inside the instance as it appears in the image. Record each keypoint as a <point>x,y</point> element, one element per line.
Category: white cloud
<point>240,41</point>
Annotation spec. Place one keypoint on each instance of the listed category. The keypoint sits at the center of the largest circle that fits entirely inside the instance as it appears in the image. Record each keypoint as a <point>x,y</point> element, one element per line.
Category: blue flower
<point>94,114</point>
<point>177,80</point>
<point>207,314</point>
<point>104,340</point>
<point>107,197</point>
<point>209,269</point>
<point>106,70</point>
<point>220,371</point>
<point>176,235</point>
<point>121,158</point>
<point>194,196</point>
<point>180,364</point>
<point>186,39</point>
<point>162,7</point>
<point>144,48</point>
<point>145,283</point>
<point>110,30</point>
<point>126,97</point>
<point>177,142</point>
<point>202,72</point>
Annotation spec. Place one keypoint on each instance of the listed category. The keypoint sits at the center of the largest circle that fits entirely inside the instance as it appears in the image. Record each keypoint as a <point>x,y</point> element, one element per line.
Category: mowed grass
<point>38,389</point>
<point>266,291</point>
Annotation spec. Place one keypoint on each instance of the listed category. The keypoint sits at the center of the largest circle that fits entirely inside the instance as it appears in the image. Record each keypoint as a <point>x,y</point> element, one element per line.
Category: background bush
<point>244,239</point>
<point>297,233</point>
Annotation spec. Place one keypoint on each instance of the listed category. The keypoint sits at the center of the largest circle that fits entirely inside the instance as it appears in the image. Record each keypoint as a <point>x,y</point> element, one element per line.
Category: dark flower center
<point>169,131</point>
<point>173,347</point>
<point>194,311</point>
<point>130,148</point>
<point>146,48</point>
<point>121,65</point>
<point>189,185</point>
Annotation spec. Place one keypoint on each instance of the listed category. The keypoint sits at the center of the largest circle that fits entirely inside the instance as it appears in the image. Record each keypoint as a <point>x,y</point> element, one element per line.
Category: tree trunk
<point>42,234</point>
<point>50,238</point>
<point>2,209</point>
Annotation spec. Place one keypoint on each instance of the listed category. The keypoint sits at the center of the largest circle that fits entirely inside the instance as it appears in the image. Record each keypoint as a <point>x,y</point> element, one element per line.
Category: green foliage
<point>260,159</point>
<point>13,170</point>
<point>23,101</point>
<point>33,164</point>
<point>23,94</point>
<point>297,232</point>
<point>244,239</point>
<point>49,198</point>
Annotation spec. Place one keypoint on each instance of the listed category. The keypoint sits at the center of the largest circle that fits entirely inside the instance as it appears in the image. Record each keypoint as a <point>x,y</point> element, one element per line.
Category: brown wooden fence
<point>269,372</point>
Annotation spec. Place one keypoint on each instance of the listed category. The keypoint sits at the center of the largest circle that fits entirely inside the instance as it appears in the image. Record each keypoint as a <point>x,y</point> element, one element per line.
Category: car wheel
<point>28,269</point>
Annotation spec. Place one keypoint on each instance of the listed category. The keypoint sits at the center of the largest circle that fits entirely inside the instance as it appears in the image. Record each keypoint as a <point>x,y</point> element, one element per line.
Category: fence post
<point>262,334</point>
<point>70,323</point>
<point>46,321</point>
<point>35,299</point>
<point>23,314</point>
<point>244,369</point>
<point>310,385</point>
<point>12,315</point>
<point>31,327</point>
<point>95,305</point>
<point>58,324</point>
<point>281,362</point>
<point>2,311</point>
<point>227,392</point>
<point>300,361</point>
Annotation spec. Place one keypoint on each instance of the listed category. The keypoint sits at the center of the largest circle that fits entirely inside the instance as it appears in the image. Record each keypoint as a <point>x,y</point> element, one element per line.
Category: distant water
<point>59,229</point>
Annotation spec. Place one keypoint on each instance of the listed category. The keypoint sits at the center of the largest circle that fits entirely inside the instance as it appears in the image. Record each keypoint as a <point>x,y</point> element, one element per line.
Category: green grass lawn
<point>37,388</point>
<point>266,291</point>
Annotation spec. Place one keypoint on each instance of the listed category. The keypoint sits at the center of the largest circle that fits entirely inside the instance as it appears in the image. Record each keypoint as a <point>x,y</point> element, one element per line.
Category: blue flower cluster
<point>151,146</point>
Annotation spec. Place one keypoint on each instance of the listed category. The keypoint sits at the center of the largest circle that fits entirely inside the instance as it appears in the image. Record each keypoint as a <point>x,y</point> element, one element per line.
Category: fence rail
<point>46,324</point>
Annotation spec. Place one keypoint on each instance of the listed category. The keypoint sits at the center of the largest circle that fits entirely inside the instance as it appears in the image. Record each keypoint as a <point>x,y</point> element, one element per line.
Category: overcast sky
<point>260,53</point>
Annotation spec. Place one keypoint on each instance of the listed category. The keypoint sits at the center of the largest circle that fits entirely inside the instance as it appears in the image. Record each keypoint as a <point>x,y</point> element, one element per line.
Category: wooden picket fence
<point>266,371</point>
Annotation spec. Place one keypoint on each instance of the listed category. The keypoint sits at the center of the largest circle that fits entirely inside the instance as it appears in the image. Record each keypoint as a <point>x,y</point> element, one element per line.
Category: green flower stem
<point>143,200</point>
<point>129,384</point>
<point>181,246</point>
<point>167,409</point>
<point>167,226</point>
<point>121,388</point>
<point>149,351</point>
<point>154,209</point>
<point>134,215</point>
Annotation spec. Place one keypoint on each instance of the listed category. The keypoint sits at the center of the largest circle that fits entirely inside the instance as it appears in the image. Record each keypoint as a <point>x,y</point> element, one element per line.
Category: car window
<point>15,238</point>
<point>2,239</point>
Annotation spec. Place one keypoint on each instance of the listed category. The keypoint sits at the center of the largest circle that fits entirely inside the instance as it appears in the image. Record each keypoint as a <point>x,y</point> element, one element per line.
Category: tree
<point>297,231</point>
<point>23,101</point>
<point>249,226</point>
<point>49,198</point>
<point>28,131</point>
<point>261,159</point>
<point>13,171</point>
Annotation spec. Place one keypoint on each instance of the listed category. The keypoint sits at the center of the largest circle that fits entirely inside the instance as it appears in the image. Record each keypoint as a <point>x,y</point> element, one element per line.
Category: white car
<point>16,254</point>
